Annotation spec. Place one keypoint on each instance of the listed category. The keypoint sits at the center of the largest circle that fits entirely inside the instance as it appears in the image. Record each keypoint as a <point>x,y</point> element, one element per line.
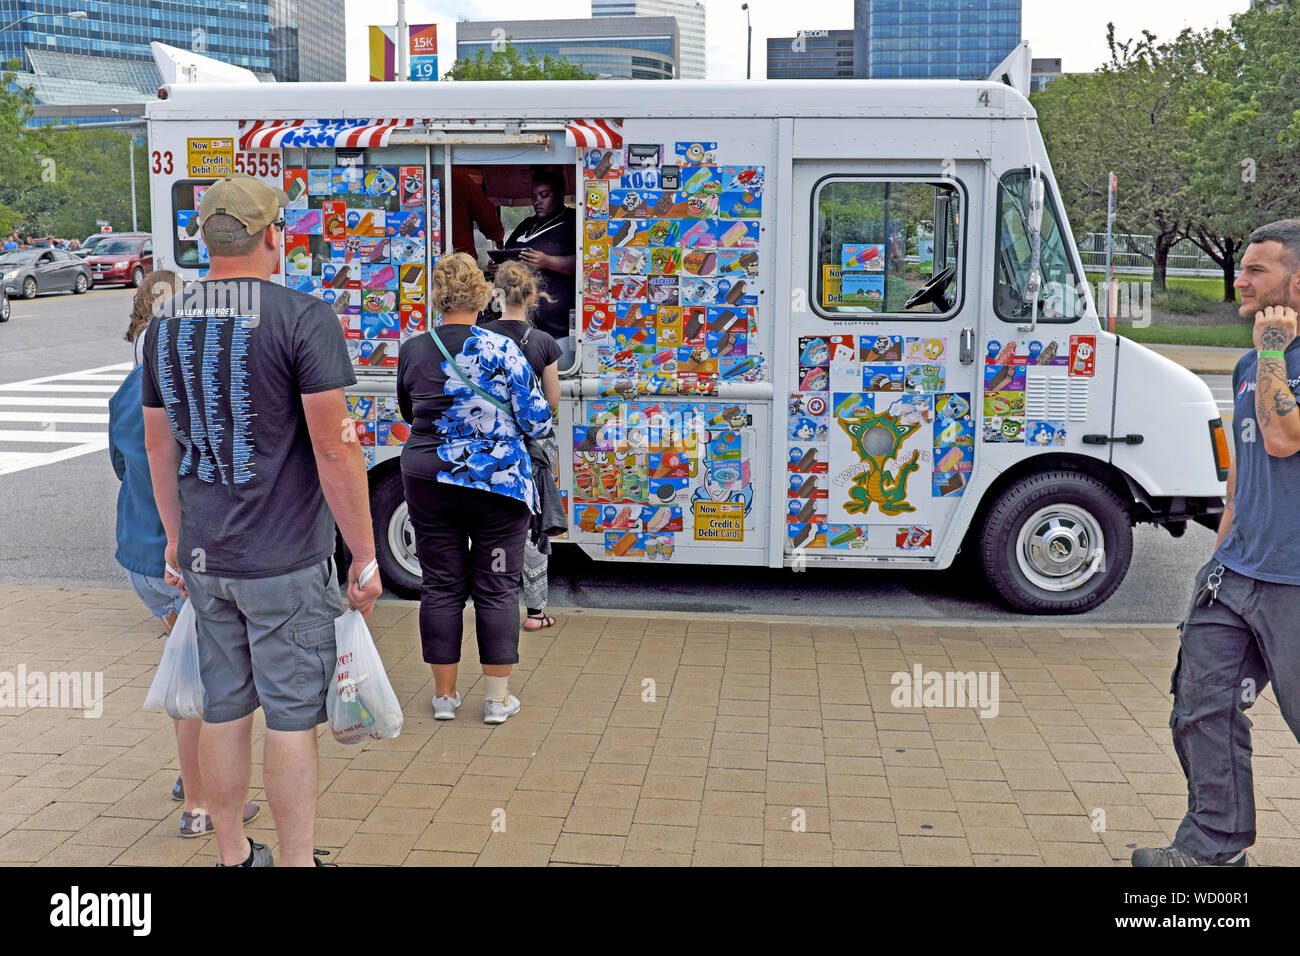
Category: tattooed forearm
<point>1283,402</point>
<point>1273,338</point>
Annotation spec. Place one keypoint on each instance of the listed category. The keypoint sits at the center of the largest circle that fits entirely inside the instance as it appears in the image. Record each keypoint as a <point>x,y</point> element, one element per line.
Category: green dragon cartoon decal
<point>876,439</point>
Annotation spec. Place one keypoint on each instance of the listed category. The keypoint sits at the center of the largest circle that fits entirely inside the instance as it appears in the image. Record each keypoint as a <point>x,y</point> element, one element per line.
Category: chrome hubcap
<point>401,540</point>
<point>1061,548</point>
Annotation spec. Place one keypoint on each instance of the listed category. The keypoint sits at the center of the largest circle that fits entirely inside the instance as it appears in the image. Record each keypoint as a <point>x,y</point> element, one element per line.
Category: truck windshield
<point>1061,297</point>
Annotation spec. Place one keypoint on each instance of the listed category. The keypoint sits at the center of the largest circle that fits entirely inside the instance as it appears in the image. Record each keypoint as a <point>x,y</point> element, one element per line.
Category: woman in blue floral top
<point>469,483</point>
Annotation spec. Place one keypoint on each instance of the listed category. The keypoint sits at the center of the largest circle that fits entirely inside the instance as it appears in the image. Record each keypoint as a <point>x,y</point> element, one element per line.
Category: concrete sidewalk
<point>1202,359</point>
<point>760,741</point>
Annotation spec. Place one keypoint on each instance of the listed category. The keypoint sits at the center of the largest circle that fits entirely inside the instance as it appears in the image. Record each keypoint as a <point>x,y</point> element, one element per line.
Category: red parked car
<point>125,258</point>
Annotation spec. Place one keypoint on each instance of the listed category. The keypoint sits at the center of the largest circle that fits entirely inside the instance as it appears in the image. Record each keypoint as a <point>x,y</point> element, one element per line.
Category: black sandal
<point>546,619</point>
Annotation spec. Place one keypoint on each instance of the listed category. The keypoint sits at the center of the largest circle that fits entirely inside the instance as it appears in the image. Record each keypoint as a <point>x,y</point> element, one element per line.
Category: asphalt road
<point>57,524</point>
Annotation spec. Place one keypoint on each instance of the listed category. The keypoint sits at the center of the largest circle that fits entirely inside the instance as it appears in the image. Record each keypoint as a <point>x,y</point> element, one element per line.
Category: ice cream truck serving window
<point>886,246</point>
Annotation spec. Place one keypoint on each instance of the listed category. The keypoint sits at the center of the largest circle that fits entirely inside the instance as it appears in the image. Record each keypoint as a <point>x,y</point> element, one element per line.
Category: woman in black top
<point>468,482</point>
<point>551,237</point>
<point>515,294</point>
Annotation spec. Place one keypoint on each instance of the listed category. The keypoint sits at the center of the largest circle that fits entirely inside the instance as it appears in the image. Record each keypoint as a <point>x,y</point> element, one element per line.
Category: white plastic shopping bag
<point>177,687</point>
<point>361,703</point>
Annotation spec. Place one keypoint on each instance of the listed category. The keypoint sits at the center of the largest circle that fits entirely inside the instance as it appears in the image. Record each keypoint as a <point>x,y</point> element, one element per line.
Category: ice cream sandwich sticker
<point>664,490</point>
<point>883,378</point>
<point>661,518</point>
<point>718,520</point>
<point>949,484</point>
<point>1083,355</point>
<point>628,232</point>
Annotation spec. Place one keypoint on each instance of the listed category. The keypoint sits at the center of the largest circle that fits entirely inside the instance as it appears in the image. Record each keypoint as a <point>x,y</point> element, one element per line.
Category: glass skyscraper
<point>231,30</point>
<point>933,39</point>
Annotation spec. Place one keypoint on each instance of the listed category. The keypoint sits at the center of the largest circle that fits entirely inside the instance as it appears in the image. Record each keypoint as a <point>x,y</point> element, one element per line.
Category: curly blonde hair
<point>457,285</point>
<point>154,288</point>
<point>516,284</point>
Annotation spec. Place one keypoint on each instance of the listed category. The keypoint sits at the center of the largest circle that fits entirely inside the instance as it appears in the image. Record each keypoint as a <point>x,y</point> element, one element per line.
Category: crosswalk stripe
<point>51,436</point>
<point>42,401</point>
<point>53,401</point>
<point>56,417</point>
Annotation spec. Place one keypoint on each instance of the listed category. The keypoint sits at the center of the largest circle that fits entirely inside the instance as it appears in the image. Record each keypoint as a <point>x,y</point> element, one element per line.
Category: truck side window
<point>1059,296</point>
<point>187,246</point>
<point>886,247</point>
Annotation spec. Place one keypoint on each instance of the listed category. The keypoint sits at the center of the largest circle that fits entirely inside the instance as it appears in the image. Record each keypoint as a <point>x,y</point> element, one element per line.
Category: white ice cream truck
<point>817,323</point>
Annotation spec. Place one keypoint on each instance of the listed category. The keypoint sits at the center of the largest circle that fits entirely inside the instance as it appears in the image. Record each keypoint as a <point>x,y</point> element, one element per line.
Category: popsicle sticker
<point>860,257</point>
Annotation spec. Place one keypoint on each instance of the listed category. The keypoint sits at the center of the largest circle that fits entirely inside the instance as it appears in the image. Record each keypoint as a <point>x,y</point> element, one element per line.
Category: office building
<point>933,39</point>
<point>691,27</point>
<point>307,41</point>
<point>636,48</point>
<point>811,55</point>
<point>1042,72</point>
<point>100,69</point>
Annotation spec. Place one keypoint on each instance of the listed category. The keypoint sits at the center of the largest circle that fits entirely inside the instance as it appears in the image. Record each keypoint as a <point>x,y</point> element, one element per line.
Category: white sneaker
<point>495,712</point>
<point>444,708</point>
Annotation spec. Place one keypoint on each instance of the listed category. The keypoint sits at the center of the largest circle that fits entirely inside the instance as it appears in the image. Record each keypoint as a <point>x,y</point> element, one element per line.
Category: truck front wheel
<point>395,537</point>
<point>1056,543</point>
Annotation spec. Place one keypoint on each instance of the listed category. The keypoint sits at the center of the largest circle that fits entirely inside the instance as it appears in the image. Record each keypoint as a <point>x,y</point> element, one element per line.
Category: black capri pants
<point>470,544</point>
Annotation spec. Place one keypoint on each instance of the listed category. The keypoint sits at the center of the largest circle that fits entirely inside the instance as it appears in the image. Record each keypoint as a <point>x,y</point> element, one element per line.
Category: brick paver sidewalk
<point>755,726</point>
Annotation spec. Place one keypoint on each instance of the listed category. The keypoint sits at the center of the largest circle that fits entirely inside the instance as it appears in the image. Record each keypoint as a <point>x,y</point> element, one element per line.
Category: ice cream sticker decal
<point>878,438</point>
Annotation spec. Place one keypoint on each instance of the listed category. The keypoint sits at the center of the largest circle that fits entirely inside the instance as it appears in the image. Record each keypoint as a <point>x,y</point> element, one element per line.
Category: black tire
<point>137,278</point>
<point>81,285</point>
<point>5,308</point>
<point>387,508</point>
<point>1067,509</point>
<point>29,288</point>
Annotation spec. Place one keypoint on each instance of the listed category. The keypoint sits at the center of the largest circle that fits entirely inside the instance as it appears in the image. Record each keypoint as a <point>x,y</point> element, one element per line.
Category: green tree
<point>1244,119</point>
<point>509,64</point>
<point>19,145</point>
<point>1128,118</point>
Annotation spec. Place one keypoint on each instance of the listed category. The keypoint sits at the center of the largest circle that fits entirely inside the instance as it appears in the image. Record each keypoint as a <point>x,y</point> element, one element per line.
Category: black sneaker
<point>259,855</point>
<point>178,790</point>
<point>1172,856</point>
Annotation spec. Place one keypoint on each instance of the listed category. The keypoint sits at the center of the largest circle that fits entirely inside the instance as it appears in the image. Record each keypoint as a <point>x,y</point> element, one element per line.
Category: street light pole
<point>403,45</point>
<point>749,40</point>
<point>135,225</point>
<point>74,15</point>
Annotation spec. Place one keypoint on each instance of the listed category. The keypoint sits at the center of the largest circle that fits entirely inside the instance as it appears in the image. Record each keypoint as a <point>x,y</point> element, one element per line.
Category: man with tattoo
<point>1241,631</point>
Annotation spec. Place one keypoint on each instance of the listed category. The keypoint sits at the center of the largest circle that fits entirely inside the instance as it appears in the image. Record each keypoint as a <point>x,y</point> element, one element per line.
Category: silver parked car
<point>28,272</point>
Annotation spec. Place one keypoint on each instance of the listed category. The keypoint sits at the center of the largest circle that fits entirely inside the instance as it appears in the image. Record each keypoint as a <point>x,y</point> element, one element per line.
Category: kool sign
<point>210,157</point>
<point>719,520</point>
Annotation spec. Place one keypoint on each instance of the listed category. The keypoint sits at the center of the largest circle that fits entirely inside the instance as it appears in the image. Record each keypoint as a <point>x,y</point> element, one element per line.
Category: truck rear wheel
<point>394,537</point>
<point>1056,543</point>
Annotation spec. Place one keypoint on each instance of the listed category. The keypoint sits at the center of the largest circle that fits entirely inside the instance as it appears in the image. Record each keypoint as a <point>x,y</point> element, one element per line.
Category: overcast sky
<point>1073,31</point>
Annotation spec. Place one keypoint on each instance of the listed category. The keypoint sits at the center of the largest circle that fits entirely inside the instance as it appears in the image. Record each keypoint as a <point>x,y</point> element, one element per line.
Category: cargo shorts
<point>267,642</point>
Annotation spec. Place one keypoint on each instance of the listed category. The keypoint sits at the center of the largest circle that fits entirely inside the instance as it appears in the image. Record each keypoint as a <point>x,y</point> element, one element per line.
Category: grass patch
<point>1222,336</point>
<point>1210,289</point>
<point>1180,302</point>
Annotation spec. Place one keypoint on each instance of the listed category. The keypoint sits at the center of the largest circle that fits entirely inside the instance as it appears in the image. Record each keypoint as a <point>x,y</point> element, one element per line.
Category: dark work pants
<point>470,544</point>
<point>1231,650</point>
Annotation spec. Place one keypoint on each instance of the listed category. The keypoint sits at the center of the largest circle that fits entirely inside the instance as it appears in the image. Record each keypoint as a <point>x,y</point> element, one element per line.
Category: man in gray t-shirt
<point>253,460</point>
<point>1240,633</point>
